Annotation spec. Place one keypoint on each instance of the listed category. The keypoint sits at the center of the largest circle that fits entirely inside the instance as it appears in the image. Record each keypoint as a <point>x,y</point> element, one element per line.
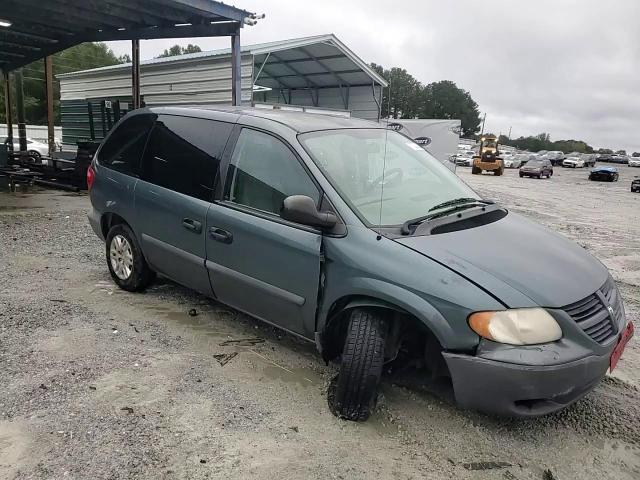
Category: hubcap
<point>121,257</point>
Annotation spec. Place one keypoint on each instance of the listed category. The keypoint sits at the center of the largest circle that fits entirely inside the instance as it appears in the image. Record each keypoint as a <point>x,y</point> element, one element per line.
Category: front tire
<point>353,394</point>
<point>126,263</point>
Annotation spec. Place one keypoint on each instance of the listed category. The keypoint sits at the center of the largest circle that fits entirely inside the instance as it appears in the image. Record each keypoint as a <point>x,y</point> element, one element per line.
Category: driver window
<point>264,171</point>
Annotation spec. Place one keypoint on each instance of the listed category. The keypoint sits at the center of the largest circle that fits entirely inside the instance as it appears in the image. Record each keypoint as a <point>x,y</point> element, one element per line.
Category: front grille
<point>593,316</point>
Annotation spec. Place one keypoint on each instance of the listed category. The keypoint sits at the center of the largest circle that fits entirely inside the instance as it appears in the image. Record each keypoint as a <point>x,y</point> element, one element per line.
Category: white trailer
<point>439,137</point>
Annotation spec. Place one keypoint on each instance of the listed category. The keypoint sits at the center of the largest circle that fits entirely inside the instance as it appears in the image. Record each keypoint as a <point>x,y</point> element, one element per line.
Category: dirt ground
<point>99,383</point>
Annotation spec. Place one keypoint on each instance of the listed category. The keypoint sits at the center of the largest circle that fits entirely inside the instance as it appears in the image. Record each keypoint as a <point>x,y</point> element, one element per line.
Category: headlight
<point>520,326</point>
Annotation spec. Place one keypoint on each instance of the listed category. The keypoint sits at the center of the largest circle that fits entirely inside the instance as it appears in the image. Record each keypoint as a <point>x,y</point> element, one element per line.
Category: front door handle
<point>220,235</point>
<point>192,225</point>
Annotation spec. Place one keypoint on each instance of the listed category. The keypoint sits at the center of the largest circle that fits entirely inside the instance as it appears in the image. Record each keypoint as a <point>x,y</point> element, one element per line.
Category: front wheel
<point>126,263</point>
<point>353,394</point>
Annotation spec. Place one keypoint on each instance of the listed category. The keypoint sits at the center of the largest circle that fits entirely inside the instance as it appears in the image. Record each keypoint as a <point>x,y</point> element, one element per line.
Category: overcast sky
<point>567,67</point>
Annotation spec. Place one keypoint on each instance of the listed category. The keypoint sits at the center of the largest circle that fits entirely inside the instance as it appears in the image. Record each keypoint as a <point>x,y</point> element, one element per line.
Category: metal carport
<point>34,29</point>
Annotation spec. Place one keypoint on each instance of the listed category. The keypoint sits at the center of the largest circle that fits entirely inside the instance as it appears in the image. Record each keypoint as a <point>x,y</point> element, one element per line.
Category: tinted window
<point>184,153</point>
<point>264,171</point>
<point>124,147</point>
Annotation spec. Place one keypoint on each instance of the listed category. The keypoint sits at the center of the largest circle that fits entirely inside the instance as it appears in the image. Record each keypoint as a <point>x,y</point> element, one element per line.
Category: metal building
<point>316,73</point>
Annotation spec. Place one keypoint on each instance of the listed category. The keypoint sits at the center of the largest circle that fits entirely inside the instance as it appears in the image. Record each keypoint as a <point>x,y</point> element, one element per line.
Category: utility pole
<point>484,117</point>
<point>509,134</point>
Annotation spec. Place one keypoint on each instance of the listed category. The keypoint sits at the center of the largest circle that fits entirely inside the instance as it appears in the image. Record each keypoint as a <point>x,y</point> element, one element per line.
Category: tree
<point>542,141</point>
<point>621,152</point>
<point>404,89</point>
<point>80,57</point>
<point>635,154</point>
<point>179,50</point>
<point>445,99</point>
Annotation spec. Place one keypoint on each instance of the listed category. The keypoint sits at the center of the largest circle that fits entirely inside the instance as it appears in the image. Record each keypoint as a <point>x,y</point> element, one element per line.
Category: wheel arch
<point>330,338</point>
<point>108,220</point>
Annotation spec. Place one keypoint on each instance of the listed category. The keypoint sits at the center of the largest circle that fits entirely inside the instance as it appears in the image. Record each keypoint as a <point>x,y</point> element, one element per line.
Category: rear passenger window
<point>183,154</point>
<point>264,171</point>
<point>124,147</point>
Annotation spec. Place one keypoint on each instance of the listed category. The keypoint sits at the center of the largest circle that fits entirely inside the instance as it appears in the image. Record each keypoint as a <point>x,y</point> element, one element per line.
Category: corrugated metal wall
<point>361,101</point>
<point>202,80</point>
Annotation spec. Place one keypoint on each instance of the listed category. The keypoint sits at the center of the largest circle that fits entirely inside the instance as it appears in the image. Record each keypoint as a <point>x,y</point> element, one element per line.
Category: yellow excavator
<point>488,157</point>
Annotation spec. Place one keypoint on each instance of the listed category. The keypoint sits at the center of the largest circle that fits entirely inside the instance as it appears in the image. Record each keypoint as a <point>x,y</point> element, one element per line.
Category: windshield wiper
<point>456,205</point>
<point>458,201</point>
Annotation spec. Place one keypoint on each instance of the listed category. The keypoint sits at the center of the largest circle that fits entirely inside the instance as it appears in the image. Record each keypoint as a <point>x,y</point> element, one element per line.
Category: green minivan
<point>352,236</point>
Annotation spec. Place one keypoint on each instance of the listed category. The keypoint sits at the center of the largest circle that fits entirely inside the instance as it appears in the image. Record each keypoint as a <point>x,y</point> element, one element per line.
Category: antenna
<point>384,163</point>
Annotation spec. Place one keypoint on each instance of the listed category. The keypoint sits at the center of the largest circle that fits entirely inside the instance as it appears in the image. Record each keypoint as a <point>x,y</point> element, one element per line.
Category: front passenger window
<point>264,171</point>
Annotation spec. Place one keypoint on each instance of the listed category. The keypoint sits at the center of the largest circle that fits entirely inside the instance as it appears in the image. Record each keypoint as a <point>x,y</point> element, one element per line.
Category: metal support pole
<point>236,69</point>
<point>8,110</point>
<point>135,73</point>
<point>22,128</point>
<point>48,72</point>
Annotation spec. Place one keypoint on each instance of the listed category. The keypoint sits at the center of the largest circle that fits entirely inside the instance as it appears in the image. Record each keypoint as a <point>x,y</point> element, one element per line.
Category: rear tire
<point>498,172</point>
<point>137,276</point>
<point>353,394</point>
<point>476,171</point>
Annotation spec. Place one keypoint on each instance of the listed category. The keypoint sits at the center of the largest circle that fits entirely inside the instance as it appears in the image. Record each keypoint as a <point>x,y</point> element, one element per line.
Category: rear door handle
<point>220,235</point>
<point>192,225</point>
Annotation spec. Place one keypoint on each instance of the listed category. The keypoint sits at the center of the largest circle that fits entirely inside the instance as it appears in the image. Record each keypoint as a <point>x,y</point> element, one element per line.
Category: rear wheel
<point>36,155</point>
<point>498,172</point>
<point>353,393</point>
<point>126,263</point>
<point>476,170</point>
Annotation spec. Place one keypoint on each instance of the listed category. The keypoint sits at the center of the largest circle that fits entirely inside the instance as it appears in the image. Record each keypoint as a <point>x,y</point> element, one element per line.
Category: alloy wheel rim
<point>121,257</point>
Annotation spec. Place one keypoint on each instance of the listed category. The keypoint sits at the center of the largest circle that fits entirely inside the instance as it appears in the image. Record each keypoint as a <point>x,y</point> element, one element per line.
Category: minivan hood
<point>517,261</point>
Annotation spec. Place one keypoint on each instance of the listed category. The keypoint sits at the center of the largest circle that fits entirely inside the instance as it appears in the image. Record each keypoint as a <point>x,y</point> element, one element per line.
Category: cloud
<point>567,67</point>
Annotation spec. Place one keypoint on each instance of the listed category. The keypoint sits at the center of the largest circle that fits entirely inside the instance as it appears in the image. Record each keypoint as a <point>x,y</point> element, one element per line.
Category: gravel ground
<point>100,383</point>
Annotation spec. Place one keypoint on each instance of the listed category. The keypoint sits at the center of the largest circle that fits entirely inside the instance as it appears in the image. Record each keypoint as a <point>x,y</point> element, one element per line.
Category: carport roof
<point>310,62</point>
<point>33,29</point>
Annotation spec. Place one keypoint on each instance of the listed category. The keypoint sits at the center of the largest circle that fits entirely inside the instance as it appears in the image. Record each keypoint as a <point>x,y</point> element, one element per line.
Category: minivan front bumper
<point>523,390</point>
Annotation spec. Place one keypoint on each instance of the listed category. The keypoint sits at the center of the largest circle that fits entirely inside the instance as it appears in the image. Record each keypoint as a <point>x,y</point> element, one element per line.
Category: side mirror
<point>302,209</point>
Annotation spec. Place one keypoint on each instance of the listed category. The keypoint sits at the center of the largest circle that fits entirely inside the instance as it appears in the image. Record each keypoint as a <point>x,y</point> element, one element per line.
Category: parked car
<point>589,159</point>
<point>35,149</point>
<point>464,159</point>
<point>512,161</point>
<point>634,161</point>
<point>574,161</point>
<point>537,168</point>
<point>605,157</point>
<point>521,158</point>
<point>604,174</point>
<point>278,214</point>
<point>619,159</point>
<point>555,157</point>
<point>635,184</point>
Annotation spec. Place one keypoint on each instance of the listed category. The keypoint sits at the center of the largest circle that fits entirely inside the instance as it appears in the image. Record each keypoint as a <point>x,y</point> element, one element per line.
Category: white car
<point>634,161</point>
<point>512,161</point>
<point>34,148</point>
<point>573,162</point>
